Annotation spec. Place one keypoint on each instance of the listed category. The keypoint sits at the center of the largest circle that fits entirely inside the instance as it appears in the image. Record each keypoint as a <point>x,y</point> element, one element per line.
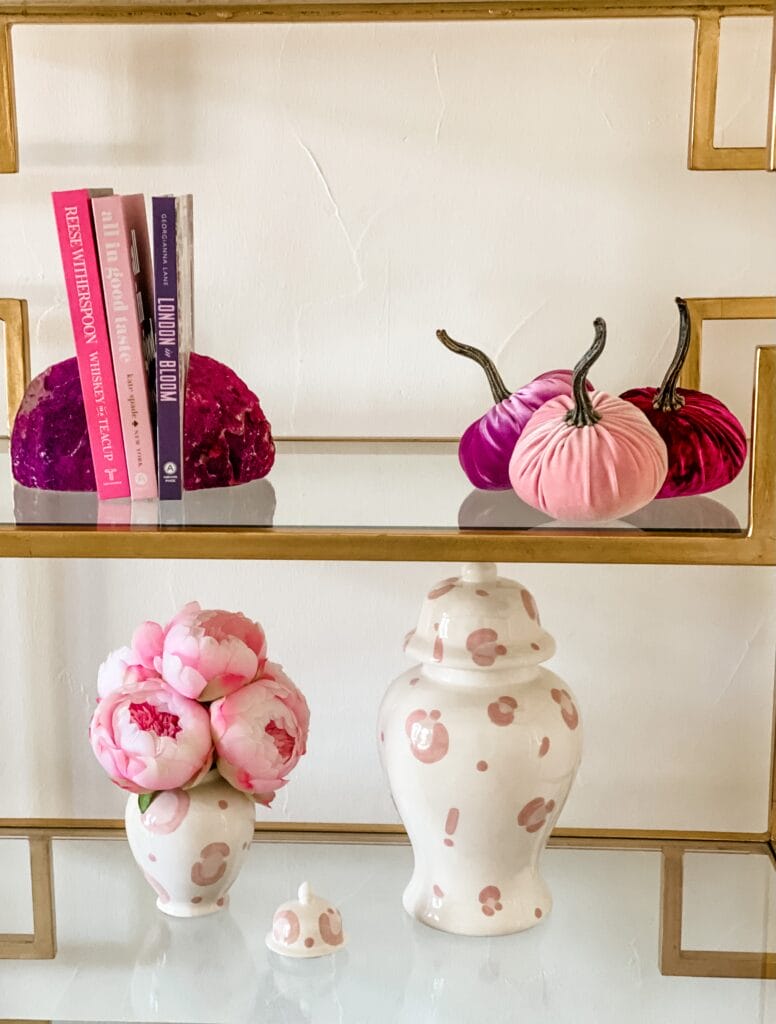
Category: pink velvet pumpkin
<point>706,442</point>
<point>588,458</point>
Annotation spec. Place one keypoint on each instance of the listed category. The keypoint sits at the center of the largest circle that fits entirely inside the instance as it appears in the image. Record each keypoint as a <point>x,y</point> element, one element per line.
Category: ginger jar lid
<point>308,926</point>
<point>479,620</point>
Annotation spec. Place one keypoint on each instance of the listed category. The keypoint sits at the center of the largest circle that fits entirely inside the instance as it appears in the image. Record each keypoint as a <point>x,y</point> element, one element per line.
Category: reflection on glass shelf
<point>351,484</point>
<point>252,504</point>
<point>593,961</point>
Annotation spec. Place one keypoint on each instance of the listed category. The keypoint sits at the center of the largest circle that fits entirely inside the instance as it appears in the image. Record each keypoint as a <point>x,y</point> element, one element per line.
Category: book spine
<point>184,248</point>
<point>168,391</point>
<point>119,267</point>
<point>72,211</point>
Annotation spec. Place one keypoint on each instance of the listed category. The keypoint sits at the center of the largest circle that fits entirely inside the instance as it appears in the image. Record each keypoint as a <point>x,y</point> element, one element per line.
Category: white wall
<point>357,187</point>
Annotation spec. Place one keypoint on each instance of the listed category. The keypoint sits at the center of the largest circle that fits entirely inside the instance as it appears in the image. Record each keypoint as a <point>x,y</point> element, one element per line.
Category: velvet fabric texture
<point>49,443</point>
<point>227,438</point>
<point>487,445</point>
<point>590,473</point>
<point>706,443</point>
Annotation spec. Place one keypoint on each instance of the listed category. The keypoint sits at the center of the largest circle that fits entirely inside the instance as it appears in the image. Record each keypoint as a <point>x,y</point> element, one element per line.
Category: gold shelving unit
<point>707,15</point>
<point>753,546</point>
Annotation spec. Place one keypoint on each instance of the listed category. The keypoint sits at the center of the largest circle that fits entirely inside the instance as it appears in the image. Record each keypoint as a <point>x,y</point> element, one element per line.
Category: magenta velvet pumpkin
<point>706,443</point>
<point>487,444</point>
<point>588,458</point>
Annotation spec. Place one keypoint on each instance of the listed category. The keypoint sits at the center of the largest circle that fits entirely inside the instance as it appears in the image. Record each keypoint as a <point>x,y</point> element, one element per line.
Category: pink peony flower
<point>148,737</point>
<point>122,669</point>
<point>260,732</point>
<point>130,665</point>
<point>210,654</point>
<point>147,641</point>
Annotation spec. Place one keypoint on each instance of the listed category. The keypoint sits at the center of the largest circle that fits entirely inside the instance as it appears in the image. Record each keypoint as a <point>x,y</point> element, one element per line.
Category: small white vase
<point>191,844</point>
<point>481,745</point>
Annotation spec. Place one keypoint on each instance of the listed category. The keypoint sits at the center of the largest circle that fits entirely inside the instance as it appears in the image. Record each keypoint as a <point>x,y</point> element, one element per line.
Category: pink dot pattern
<point>439,649</point>
<point>211,867</point>
<point>285,927</point>
<point>484,647</point>
<point>530,606</point>
<point>535,813</point>
<point>159,889</point>
<point>429,739</point>
<point>330,927</point>
<point>167,812</point>
<point>502,711</point>
<point>443,587</point>
<point>568,708</point>
<point>490,899</point>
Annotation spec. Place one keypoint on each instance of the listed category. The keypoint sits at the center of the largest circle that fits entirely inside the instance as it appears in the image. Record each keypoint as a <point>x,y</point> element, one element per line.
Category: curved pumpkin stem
<point>668,399</point>
<point>583,414</point>
<point>497,386</point>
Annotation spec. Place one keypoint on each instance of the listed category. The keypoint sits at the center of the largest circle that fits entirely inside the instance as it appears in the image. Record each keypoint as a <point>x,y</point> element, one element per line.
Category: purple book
<point>169,406</point>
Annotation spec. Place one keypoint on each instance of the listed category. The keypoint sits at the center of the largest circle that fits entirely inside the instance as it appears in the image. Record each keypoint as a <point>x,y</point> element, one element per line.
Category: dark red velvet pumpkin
<point>706,442</point>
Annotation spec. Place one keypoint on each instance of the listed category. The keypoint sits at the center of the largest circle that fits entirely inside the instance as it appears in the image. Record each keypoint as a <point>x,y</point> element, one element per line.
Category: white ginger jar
<point>481,744</point>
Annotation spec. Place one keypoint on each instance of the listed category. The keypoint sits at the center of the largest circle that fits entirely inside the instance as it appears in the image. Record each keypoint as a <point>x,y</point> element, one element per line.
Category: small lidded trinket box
<point>306,927</point>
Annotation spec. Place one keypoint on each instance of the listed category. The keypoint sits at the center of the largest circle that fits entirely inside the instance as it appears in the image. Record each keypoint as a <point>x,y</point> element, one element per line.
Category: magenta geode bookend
<point>227,438</point>
<point>487,445</point>
<point>49,444</point>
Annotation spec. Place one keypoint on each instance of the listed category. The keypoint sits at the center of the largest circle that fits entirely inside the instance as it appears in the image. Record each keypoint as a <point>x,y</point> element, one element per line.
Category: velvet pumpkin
<point>706,442</point>
<point>588,458</point>
<point>487,444</point>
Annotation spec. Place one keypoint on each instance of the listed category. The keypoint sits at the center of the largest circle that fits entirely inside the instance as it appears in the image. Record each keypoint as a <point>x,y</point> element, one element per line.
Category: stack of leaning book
<point>133,324</point>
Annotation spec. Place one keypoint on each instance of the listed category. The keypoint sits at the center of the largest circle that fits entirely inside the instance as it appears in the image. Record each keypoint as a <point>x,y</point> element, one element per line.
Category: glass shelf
<point>593,961</point>
<point>367,500</point>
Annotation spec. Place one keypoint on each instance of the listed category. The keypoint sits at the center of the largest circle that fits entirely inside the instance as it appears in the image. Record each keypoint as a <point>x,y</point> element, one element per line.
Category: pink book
<point>73,214</point>
<point>122,244</point>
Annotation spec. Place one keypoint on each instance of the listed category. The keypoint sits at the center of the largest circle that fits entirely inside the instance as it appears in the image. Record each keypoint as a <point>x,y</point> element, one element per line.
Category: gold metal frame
<point>704,155</point>
<point>13,315</point>
<point>42,944</point>
<point>755,307</point>
<point>9,158</point>
<point>702,963</point>
<point>243,11</point>
<point>754,546</point>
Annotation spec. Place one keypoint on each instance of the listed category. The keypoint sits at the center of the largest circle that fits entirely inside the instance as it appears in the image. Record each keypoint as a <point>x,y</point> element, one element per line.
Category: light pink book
<point>118,221</point>
<point>73,214</point>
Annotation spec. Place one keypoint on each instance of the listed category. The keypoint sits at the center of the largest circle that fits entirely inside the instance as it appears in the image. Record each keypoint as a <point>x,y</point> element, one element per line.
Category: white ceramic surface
<point>191,843</point>
<point>306,927</point>
<point>481,745</point>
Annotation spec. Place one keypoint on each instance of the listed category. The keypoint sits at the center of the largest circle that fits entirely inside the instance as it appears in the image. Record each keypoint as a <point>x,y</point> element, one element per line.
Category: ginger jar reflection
<point>481,745</point>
